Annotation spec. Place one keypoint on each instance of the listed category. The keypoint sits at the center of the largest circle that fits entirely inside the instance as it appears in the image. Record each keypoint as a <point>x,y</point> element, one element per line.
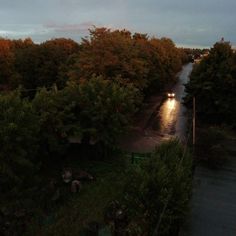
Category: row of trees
<point>213,83</point>
<point>136,58</point>
<point>23,63</point>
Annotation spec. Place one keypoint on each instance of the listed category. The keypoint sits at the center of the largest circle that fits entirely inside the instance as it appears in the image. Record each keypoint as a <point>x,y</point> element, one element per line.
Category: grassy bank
<point>87,205</point>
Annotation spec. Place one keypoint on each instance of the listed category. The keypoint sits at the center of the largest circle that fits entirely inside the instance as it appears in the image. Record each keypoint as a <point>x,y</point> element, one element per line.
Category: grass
<point>88,205</point>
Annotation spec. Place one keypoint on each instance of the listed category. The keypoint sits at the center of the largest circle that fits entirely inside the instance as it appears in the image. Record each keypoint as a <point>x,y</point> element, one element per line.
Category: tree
<point>158,191</point>
<point>95,110</point>
<point>110,54</point>
<point>56,120</point>
<point>144,62</point>
<point>41,65</point>
<point>104,108</point>
<point>173,61</point>
<point>213,83</point>
<point>19,129</point>
<point>6,63</point>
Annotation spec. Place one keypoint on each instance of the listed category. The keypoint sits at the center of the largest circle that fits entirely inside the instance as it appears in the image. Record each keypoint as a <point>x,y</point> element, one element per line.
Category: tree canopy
<point>104,107</point>
<point>19,129</point>
<point>213,83</point>
<point>136,58</point>
<point>147,63</point>
<point>157,192</point>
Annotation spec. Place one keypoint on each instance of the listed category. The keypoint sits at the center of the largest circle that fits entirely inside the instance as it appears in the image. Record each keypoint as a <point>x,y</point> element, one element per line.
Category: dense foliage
<point>211,146</point>
<point>19,142</point>
<point>213,83</point>
<point>157,192</point>
<point>56,121</point>
<point>23,63</point>
<point>136,58</point>
<point>147,63</point>
<point>104,108</point>
<point>59,90</point>
<point>96,109</point>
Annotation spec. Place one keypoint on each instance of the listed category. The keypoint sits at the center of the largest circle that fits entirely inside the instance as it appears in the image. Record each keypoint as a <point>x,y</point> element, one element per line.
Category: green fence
<point>136,157</point>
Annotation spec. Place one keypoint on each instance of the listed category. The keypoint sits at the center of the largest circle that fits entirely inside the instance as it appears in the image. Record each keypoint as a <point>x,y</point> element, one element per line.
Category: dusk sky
<point>187,22</point>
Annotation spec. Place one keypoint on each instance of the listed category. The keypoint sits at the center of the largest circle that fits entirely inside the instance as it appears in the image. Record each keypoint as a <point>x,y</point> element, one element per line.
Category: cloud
<point>22,30</point>
<point>81,28</point>
<point>185,21</point>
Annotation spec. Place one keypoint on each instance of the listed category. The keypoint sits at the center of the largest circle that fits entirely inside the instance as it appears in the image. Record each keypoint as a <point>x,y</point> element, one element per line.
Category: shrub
<point>18,138</point>
<point>158,191</point>
<point>209,146</point>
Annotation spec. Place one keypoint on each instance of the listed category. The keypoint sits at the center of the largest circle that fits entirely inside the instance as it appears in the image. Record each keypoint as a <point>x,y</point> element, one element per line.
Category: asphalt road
<point>213,205</point>
<point>158,123</point>
<point>171,120</point>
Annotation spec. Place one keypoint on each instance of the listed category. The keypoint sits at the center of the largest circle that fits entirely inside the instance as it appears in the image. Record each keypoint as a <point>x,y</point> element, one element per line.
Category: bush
<point>18,138</point>
<point>158,191</point>
<point>209,146</point>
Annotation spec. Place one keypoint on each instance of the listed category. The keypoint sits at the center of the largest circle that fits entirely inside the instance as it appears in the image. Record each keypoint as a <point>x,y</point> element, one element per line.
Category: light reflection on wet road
<point>166,122</point>
<point>168,114</point>
<point>171,118</point>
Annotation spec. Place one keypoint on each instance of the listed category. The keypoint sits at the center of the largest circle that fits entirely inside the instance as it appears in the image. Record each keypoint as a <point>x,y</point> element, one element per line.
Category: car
<point>171,95</point>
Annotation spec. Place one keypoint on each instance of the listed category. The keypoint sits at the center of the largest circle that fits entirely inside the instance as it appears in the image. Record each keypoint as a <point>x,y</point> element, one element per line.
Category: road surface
<point>169,120</point>
<point>213,205</point>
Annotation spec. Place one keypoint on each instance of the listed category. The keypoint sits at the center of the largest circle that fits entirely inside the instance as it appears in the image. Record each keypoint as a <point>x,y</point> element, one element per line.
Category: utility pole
<point>194,121</point>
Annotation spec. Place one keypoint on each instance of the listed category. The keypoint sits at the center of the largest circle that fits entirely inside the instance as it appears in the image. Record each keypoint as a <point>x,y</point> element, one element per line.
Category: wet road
<point>158,123</point>
<point>171,120</point>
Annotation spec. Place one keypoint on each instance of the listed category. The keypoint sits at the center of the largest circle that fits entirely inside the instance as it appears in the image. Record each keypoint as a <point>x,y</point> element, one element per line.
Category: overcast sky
<point>187,22</point>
